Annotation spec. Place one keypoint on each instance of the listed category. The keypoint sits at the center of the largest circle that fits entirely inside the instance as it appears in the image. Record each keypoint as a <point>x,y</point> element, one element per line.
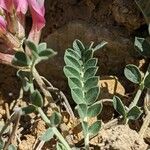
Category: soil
<point>116,21</point>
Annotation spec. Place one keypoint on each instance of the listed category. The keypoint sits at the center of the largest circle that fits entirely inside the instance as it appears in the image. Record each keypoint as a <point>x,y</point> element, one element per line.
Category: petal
<point>37,11</point>
<point>3,4</point>
<point>6,58</point>
<point>7,5</point>
<point>2,24</point>
<point>21,6</point>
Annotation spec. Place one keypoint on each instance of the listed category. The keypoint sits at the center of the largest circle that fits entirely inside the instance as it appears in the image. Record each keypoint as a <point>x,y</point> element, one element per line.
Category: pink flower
<point>6,58</point>
<point>7,5</point>
<point>21,6</point>
<point>18,5</point>
<point>36,8</point>
<point>37,11</point>
<point>2,24</point>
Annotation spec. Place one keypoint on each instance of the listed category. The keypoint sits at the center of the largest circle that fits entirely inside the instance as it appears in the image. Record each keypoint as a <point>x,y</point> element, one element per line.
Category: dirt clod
<point>120,137</point>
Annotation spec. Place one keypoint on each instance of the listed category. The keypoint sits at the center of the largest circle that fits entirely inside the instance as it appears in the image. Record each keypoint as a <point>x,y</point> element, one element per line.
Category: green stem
<point>61,138</point>
<point>86,142</point>
<point>86,134</point>
<point>137,96</point>
<point>140,90</point>
<point>55,130</point>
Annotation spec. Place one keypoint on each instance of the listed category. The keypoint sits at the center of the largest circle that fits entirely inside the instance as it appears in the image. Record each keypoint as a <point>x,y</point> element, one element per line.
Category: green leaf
<point>90,72</point>
<point>134,113</point>
<point>12,147</point>
<point>90,63</point>
<point>142,46</point>
<point>29,109</point>
<point>60,146</point>
<point>42,47</point>
<point>37,99</point>
<point>48,135</point>
<point>1,144</point>
<point>99,46</point>
<point>147,81</point>
<point>91,82</point>
<point>144,5</point>
<point>133,74</point>
<point>24,76</point>
<point>45,54</point>
<point>92,95</point>
<point>77,95</point>
<point>80,70</point>
<point>95,128</point>
<point>72,62</point>
<point>82,110</point>
<point>26,85</point>
<point>74,83</point>
<point>119,106</point>
<point>21,59</point>
<point>78,46</point>
<point>55,118</point>
<point>87,55</point>
<point>95,109</point>
<point>31,46</point>
<point>71,72</point>
<point>71,52</point>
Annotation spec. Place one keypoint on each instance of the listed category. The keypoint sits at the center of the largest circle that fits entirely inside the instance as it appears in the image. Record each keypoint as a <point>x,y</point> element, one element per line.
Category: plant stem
<point>140,90</point>
<point>86,142</point>
<point>61,138</point>
<point>55,130</point>
<point>137,96</point>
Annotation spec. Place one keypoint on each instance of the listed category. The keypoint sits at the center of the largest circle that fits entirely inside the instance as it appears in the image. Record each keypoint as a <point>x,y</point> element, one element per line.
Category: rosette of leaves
<point>38,53</point>
<point>80,69</point>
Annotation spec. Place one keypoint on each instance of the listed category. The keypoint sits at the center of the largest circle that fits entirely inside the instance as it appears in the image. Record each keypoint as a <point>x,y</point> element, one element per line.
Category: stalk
<point>137,96</point>
<point>86,141</point>
<point>55,130</point>
<point>140,90</point>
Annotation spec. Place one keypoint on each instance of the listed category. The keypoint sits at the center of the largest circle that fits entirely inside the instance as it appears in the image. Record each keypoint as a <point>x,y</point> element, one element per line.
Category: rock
<point>120,137</point>
<point>126,13</point>
<point>147,135</point>
<point>110,86</point>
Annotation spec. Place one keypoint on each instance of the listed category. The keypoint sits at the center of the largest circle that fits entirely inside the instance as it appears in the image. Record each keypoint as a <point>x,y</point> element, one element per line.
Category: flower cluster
<point>12,24</point>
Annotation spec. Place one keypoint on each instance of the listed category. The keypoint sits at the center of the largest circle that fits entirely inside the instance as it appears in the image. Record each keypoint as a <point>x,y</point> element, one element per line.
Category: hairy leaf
<point>91,82</point>
<point>99,46</point>
<point>37,99</point>
<point>134,113</point>
<point>82,110</point>
<point>71,72</point>
<point>55,118</point>
<point>95,109</point>
<point>92,95</point>
<point>147,81</point>
<point>21,59</point>
<point>41,47</point>
<point>48,135</point>
<point>77,95</point>
<point>72,62</point>
<point>31,46</point>
<point>29,109</point>
<point>133,74</point>
<point>95,128</point>
<point>92,62</point>
<point>119,106</point>
<point>74,82</point>
<point>142,45</point>
<point>90,72</point>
